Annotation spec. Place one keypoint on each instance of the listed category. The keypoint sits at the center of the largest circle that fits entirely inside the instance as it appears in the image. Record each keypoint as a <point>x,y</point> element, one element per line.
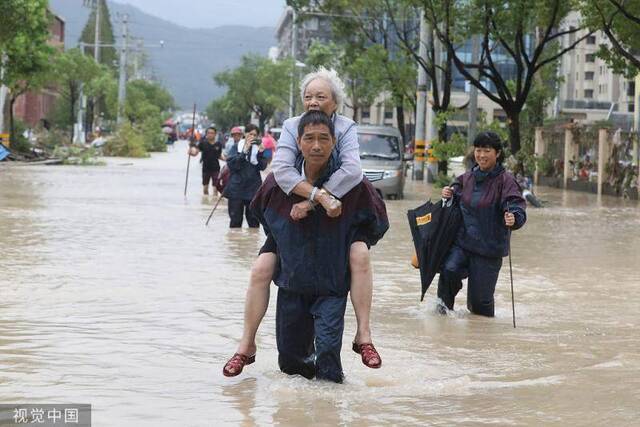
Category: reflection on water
<point>115,294</point>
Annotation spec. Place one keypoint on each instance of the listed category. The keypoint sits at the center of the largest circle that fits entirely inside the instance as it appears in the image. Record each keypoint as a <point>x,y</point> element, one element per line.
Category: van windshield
<point>379,147</point>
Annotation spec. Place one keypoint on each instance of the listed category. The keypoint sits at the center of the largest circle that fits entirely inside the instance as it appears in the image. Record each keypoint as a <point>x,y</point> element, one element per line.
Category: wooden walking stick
<point>213,210</point>
<point>513,301</point>
<point>193,133</point>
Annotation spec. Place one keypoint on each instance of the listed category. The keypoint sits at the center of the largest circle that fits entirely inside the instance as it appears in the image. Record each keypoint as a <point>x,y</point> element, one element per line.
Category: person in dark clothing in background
<point>211,154</point>
<point>245,161</point>
<point>491,203</point>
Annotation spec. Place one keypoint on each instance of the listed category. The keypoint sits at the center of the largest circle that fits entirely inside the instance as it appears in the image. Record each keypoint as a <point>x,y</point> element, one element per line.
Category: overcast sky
<point>213,13</point>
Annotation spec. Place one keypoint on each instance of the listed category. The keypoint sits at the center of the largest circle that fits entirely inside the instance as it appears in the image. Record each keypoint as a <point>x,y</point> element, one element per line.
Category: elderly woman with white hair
<point>324,91</point>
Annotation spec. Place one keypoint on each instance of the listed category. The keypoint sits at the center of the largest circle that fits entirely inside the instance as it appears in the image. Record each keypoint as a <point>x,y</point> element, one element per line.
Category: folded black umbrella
<point>434,227</point>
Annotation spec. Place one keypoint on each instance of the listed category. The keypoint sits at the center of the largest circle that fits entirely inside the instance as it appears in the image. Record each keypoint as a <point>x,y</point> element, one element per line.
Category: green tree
<point>259,85</point>
<point>144,99</point>
<point>227,112</point>
<point>23,17</point>
<point>106,54</point>
<point>103,89</point>
<point>523,32</point>
<point>74,69</point>
<point>620,21</point>
<point>24,52</point>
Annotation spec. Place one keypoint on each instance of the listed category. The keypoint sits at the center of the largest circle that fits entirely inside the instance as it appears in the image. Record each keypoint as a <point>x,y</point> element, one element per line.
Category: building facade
<point>590,91</point>
<point>308,30</point>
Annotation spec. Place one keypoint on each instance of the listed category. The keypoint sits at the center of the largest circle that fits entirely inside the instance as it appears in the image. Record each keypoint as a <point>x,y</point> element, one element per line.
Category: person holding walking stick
<point>192,143</point>
<point>211,154</point>
<point>492,205</point>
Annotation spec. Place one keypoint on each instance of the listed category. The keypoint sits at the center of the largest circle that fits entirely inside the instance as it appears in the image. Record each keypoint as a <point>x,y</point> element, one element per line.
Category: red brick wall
<point>32,107</point>
<point>57,31</point>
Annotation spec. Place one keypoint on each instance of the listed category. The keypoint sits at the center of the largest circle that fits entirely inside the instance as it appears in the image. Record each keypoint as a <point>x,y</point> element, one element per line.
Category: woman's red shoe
<point>235,365</point>
<point>370,356</point>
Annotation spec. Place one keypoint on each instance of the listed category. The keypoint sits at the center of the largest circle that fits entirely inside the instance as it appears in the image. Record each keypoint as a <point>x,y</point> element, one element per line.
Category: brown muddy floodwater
<point>113,293</point>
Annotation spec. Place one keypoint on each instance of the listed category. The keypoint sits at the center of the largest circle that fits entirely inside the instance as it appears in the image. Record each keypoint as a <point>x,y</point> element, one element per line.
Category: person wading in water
<point>313,278</point>
<point>491,203</point>
<point>321,90</point>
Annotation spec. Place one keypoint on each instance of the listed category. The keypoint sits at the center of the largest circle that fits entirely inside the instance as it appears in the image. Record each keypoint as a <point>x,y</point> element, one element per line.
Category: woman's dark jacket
<point>245,178</point>
<point>484,197</point>
<point>314,252</point>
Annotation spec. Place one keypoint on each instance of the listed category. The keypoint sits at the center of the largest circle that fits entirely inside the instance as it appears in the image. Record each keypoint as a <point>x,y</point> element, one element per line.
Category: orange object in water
<point>414,261</point>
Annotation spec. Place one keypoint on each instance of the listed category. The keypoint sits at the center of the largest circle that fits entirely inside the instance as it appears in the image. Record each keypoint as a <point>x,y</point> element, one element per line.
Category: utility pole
<point>3,90</point>
<point>137,60</point>
<point>473,92</point>
<point>421,104</point>
<point>78,128</point>
<point>122,82</point>
<point>96,48</point>
<point>636,122</point>
<point>432,131</point>
<point>294,40</point>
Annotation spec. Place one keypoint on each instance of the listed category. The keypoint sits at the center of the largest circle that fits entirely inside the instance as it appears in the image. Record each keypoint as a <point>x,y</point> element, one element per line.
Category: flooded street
<point>114,293</point>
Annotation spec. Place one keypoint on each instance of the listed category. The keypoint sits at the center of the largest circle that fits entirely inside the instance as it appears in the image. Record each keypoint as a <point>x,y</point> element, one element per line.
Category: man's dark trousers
<point>309,335</point>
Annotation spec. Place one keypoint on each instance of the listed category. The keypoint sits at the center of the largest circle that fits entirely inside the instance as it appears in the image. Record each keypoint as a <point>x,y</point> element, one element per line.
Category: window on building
<point>588,93</point>
<point>589,75</point>
<point>311,24</point>
<point>366,113</point>
<point>631,88</point>
<point>388,113</point>
<point>632,108</point>
<point>591,40</point>
<point>590,57</point>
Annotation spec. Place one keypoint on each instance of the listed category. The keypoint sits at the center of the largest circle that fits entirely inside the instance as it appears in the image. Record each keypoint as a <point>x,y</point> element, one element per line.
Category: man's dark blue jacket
<point>314,252</point>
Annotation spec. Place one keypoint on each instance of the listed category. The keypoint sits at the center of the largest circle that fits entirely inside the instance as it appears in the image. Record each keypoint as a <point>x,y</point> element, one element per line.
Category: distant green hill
<point>190,57</point>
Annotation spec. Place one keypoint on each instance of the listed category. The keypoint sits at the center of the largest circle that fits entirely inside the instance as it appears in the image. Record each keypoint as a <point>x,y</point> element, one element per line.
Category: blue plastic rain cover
<point>4,152</point>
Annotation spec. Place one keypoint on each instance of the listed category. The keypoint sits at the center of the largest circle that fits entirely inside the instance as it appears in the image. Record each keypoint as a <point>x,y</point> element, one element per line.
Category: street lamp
<point>292,89</point>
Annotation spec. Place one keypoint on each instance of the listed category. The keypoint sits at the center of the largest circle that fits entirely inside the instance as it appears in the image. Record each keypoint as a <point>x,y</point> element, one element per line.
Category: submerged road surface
<point>113,293</point>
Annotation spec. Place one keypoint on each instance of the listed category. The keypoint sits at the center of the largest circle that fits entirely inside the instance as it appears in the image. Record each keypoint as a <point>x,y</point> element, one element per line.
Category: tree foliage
<point>227,112</point>
<point>23,18</point>
<point>106,54</point>
<point>258,85</point>
<point>72,70</point>
<point>24,32</point>
<point>145,99</point>
<point>620,21</point>
<point>523,33</point>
